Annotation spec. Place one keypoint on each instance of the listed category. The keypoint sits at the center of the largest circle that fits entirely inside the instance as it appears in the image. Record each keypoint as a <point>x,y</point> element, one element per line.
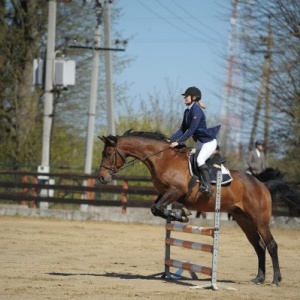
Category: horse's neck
<point>142,149</point>
<point>155,155</point>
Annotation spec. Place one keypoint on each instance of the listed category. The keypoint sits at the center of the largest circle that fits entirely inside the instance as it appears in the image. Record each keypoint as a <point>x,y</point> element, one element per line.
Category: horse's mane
<point>155,135</point>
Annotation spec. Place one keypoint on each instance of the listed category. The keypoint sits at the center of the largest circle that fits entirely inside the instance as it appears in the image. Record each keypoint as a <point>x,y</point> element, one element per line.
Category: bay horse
<point>245,197</point>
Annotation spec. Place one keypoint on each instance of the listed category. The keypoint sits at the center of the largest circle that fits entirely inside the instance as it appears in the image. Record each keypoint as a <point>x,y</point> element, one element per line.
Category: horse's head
<point>112,159</point>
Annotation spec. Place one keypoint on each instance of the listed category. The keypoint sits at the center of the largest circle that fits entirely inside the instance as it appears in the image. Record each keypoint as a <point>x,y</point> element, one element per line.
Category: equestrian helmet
<point>259,142</point>
<point>193,91</point>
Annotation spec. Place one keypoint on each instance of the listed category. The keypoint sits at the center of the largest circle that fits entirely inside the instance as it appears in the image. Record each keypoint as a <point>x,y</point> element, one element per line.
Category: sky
<point>182,42</point>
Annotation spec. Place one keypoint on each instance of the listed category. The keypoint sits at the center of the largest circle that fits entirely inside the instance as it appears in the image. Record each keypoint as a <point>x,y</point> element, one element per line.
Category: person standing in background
<point>256,159</point>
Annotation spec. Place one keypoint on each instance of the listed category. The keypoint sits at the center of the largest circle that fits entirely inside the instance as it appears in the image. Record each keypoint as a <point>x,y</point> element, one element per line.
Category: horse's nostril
<point>101,179</point>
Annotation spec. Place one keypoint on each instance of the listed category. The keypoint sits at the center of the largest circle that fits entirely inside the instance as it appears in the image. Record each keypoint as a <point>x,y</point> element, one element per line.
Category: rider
<point>194,124</point>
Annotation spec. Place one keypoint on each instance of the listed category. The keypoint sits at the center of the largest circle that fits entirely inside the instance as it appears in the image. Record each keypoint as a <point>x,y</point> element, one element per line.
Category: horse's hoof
<point>186,211</point>
<point>184,219</point>
<point>184,216</point>
<point>258,281</point>
<point>275,284</point>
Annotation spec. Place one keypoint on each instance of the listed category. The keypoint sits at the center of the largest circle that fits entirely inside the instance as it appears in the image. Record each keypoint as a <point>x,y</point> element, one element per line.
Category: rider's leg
<point>205,152</point>
<point>205,186</point>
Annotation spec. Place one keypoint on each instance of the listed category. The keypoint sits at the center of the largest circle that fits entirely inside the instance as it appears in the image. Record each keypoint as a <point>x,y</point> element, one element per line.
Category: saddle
<point>215,164</point>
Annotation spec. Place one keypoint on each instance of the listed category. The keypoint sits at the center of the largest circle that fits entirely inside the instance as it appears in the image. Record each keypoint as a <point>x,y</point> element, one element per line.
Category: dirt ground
<point>53,259</point>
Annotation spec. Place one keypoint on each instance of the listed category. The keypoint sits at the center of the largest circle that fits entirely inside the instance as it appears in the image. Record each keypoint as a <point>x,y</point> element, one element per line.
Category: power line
<point>196,19</point>
<point>178,17</point>
<point>171,24</point>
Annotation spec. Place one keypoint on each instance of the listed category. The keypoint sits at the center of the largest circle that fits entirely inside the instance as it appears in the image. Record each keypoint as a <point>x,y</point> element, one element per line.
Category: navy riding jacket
<point>194,124</point>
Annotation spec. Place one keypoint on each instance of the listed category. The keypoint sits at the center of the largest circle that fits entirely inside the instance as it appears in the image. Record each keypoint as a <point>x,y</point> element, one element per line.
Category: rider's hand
<point>173,145</point>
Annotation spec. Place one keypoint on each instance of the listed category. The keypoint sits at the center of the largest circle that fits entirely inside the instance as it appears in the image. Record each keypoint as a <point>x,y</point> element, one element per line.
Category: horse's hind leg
<point>253,237</point>
<point>273,251</point>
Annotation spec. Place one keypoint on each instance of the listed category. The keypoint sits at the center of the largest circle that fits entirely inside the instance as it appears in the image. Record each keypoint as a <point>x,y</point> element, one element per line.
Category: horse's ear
<point>111,141</point>
<point>108,140</point>
<point>102,138</point>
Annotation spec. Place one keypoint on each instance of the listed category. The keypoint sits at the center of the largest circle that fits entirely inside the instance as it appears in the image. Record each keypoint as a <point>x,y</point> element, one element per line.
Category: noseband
<point>114,169</point>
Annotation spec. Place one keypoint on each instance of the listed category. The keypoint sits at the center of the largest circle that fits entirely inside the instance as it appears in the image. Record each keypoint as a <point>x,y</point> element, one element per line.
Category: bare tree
<point>272,73</point>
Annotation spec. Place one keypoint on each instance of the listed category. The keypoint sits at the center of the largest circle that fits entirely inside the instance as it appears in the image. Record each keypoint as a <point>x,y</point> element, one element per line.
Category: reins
<point>133,161</point>
<point>115,169</point>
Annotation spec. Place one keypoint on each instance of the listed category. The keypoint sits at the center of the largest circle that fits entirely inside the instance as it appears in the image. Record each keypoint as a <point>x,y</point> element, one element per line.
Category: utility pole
<point>264,91</point>
<point>93,94</point>
<point>93,99</point>
<point>108,67</point>
<point>102,10</point>
<point>262,88</point>
<point>48,98</point>
<point>268,81</point>
<point>48,103</point>
<point>108,71</point>
<point>102,7</point>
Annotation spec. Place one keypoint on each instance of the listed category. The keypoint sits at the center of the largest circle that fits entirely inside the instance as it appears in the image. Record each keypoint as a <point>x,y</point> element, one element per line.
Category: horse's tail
<point>281,192</point>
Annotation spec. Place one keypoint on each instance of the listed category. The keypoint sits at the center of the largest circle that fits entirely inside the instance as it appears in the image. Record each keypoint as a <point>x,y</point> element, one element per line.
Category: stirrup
<point>205,189</point>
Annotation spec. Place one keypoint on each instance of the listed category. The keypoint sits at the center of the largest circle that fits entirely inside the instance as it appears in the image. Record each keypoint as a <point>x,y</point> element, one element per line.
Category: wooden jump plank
<point>189,245</point>
<point>190,229</point>
<point>188,267</point>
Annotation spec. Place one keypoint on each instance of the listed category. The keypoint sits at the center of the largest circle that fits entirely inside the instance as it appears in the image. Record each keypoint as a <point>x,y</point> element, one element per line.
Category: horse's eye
<point>106,154</point>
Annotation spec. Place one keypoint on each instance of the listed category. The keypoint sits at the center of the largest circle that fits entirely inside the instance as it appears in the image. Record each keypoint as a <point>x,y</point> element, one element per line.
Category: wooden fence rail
<point>24,187</point>
<point>74,176</point>
<point>142,190</point>
<point>21,186</point>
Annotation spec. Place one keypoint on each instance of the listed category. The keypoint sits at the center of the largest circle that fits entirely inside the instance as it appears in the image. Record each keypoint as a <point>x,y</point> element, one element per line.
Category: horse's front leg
<point>159,208</point>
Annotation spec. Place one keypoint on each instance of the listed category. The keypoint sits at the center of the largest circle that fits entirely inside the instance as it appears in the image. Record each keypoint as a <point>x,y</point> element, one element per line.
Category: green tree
<point>21,29</point>
<point>23,32</point>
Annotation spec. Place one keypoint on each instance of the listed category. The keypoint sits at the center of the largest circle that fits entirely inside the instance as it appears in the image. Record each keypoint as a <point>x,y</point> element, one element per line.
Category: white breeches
<point>206,151</point>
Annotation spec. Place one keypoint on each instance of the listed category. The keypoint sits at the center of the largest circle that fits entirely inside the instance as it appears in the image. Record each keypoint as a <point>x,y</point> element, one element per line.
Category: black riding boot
<point>205,184</point>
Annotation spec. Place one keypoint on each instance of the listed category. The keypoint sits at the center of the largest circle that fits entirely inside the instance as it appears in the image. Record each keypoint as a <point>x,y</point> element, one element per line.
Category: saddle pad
<point>226,176</point>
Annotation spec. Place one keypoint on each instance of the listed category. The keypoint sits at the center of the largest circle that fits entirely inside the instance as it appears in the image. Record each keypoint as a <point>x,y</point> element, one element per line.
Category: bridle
<point>114,169</point>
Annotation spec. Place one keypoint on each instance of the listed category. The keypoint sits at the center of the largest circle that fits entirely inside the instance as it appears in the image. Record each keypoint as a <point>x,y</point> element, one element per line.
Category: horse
<point>245,197</point>
<point>273,180</point>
